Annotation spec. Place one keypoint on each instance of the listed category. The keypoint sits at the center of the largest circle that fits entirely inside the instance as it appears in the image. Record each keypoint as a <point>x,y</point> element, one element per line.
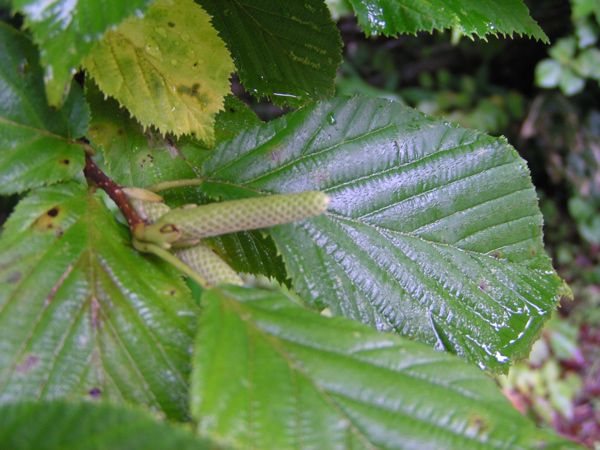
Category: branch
<point>93,173</point>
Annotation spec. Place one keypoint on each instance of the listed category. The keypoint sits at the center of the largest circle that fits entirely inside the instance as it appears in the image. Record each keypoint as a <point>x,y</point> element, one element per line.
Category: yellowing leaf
<point>169,68</point>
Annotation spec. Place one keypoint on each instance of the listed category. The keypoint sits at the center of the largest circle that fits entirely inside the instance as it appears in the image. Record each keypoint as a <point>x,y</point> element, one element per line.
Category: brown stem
<point>93,173</point>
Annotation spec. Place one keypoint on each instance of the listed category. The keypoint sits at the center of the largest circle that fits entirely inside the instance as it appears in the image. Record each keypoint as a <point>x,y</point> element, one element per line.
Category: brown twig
<point>93,173</point>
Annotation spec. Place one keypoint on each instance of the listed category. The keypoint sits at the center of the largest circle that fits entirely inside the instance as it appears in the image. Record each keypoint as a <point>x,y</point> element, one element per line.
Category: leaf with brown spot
<point>88,313</point>
<point>37,144</point>
<point>148,66</point>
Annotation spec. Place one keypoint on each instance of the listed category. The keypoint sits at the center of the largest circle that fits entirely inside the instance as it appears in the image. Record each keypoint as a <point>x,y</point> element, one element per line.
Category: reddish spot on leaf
<point>28,364</point>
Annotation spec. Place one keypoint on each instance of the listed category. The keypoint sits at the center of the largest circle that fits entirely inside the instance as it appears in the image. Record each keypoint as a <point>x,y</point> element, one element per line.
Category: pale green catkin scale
<point>216,219</point>
<point>146,203</point>
<point>205,261</point>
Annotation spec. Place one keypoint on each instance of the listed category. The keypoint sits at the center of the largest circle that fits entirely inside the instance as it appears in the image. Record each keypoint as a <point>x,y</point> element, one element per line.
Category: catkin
<point>200,258</point>
<point>248,214</point>
<point>203,260</point>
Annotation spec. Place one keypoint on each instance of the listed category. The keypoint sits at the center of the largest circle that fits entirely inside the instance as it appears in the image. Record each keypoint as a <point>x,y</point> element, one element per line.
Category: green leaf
<point>84,315</point>
<point>433,231</point>
<point>86,426</point>
<point>36,141</point>
<point>133,157</point>
<point>470,17</point>
<point>584,8</point>
<point>269,374</point>
<point>65,31</point>
<point>287,51</point>
<point>570,83</point>
<point>547,73</point>
<point>588,63</point>
<point>564,49</point>
<point>236,116</point>
<point>169,68</point>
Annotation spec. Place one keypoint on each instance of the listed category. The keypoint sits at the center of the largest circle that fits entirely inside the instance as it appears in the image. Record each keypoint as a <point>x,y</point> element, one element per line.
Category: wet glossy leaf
<point>88,426</point>
<point>433,231</point>
<point>269,374</point>
<point>287,51</point>
<point>169,68</point>
<point>36,141</point>
<point>470,17</point>
<point>65,31</point>
<point>82,314</point>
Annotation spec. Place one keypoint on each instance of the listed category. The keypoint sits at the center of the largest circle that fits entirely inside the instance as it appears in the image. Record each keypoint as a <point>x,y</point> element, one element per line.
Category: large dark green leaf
<point>433,230</point>
<point>471,17</point>
<point>288,51</point>
<point>36,141</point>
<point>88,426</point>
<point>65,31</point>
<point>269,374</point>
<point>82,314</point>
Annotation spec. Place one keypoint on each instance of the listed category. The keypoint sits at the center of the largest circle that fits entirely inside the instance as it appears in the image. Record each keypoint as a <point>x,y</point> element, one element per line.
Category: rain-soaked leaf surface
<point>36,141</point>
<point>287,51</point>
<point>433,230</point>
<point>66,30</point>
<point>470,17</point>
<point>85,426</point>
<point>169,68</point>
<point>270,374</point>
<point>82,314</point>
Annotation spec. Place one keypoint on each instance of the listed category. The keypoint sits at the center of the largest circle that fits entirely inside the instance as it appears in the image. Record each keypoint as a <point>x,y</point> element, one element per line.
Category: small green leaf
<point>36,142</point>
<point>547,73</point>
<point>169,68</point>
<point>65,31</point>
<point>269,374</point>
<point>588,63</point>
<point>88,426</point>
<point>570,83</point>
<point>287,51</point>
<point>82,314</point>
<point>564,49</point>
<point>470,17</point>
<point>587,33</point>
<point>584,8</point>
<point>433,231</point>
